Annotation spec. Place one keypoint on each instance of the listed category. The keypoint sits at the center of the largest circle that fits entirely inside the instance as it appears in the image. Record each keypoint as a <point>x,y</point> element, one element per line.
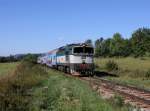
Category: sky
<point>36,26</point>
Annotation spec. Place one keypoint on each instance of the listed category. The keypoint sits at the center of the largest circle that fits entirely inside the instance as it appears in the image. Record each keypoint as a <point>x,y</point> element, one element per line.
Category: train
<point>71,58</point>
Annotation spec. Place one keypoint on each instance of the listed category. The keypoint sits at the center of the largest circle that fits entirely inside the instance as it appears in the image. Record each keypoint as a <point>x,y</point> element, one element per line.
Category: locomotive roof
<point>71,45</point>
<point>64,47</point>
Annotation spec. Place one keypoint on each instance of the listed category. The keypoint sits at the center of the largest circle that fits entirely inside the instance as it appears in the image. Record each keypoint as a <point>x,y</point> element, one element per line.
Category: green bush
<point>30,58</point>
<point>111,66</point>
<point>147,74</point>
<point>118,101</point>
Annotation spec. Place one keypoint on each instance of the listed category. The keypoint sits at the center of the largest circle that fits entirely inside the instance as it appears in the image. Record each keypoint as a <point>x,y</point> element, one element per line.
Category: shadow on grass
<point>104,74</point>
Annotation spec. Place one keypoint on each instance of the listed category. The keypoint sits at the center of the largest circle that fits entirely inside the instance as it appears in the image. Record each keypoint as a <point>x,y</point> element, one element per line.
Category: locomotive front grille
<point>83,57</point>
<point>83,66</point>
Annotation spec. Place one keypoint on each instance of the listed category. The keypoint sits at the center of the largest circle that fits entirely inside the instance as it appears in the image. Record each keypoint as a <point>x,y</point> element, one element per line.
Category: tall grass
<point>6,68</point>
<point>131,71</point>
<point>111,66</point>
<point>15,88</point>
<point>127,63</point>
<point>147,74</point>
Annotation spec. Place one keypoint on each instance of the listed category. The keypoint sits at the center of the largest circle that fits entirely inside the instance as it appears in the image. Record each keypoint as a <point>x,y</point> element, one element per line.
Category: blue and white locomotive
<point>71,58</point>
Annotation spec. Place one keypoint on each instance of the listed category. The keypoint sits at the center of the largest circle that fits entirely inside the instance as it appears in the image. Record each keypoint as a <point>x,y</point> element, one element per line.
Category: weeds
<point>118,101</point>
<point>137,74</point>
<point>15,89</point>
<point>5,68</point>
<point>111,65</point>
<point>147,74</point>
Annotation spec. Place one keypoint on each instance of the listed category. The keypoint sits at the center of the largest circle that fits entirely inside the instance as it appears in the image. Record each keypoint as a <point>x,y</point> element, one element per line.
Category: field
<point>6,68</point>
<point>133,71</point>
<point>32,87</point>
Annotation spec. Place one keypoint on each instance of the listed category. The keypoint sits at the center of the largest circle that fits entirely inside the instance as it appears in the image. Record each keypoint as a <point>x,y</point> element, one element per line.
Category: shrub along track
<point>139,98</point>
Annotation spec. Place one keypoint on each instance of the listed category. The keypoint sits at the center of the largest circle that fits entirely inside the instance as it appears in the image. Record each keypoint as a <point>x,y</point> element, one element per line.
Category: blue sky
<point>41,25</point>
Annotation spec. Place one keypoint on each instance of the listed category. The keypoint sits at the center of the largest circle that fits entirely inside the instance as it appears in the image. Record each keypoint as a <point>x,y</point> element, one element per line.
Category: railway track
<point>137,97</point>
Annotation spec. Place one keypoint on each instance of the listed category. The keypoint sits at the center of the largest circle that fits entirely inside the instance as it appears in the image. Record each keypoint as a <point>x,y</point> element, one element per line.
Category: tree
<point>8,59</point>
<point>98,47</point>
<point>117,45</point>
<point>106,48</point>
<point>31,58</point>
<point>127,48</point>
<point>141,42</point>
<point>137,45</point>
<point>3,59</point>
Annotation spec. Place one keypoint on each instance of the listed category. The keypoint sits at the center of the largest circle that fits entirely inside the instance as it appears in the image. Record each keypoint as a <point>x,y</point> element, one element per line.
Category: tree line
<point>14,58</point>
<point>8,59</point>
<point>137,45</point>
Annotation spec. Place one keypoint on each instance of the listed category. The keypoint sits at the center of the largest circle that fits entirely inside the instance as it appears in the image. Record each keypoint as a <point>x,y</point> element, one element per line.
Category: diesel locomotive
<point>71,58</point>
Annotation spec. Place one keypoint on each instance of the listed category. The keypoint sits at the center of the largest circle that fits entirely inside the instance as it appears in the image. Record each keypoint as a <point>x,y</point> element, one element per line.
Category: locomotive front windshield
<point>88,50</point>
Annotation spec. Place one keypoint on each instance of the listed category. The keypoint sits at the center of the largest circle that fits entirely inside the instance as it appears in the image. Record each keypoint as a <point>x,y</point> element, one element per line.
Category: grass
<point>16,87</point>
<point>6,68</point>
<point>61,93</point>
<point>132,71</point>
<point>32,87</point>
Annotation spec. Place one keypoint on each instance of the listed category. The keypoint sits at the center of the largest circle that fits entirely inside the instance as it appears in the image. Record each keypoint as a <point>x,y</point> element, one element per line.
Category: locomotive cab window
<point>78,50</point>
<point>89,50</point>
